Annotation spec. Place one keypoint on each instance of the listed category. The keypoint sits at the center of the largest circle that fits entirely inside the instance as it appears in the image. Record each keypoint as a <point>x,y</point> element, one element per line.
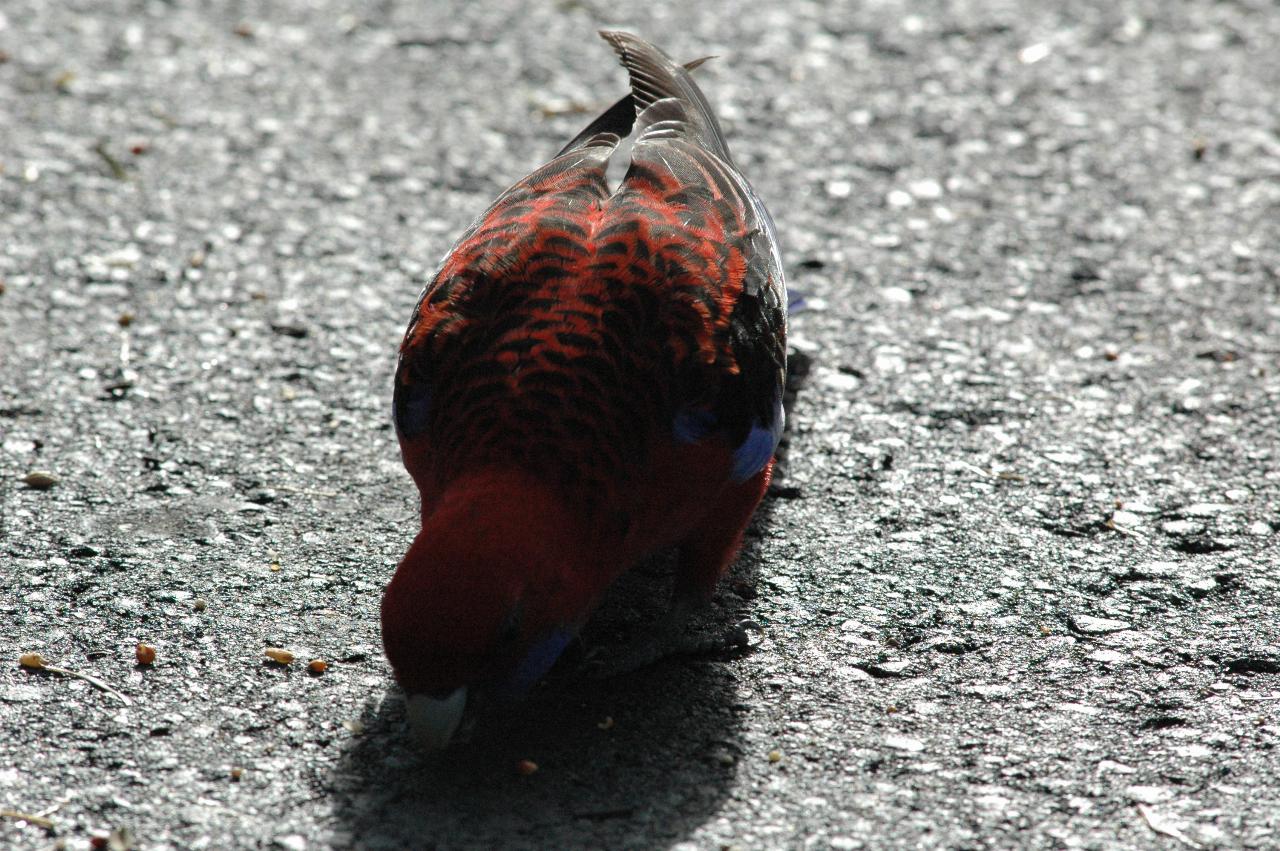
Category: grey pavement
<point>1017,584</point>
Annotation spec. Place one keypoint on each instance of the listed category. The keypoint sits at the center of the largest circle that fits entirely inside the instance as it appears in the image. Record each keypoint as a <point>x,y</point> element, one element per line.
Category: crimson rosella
<point>593,374</point>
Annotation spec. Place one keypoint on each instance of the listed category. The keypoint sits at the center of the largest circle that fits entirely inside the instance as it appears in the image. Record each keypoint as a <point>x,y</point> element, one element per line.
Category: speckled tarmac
<point>1018,583</point>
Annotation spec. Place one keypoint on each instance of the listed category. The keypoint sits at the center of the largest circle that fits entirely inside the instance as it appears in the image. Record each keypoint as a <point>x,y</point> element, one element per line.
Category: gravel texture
<point>1018,583</point>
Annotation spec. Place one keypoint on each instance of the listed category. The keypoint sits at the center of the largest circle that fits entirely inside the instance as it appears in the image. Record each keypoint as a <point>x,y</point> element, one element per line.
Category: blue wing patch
<point>749,457</point>
<point>536,663</point>
<point>693,424</point>
<point>762,441</point>
<point>754,453</point>
<point>796,301</point>
<point>412,408</point>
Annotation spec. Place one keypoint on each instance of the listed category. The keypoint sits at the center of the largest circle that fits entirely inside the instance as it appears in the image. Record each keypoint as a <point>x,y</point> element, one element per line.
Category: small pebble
<point>899,198</point>
<point>904,743</point>
<point>839,188</point>
<point>1090,625</point>
<point>199,604</point>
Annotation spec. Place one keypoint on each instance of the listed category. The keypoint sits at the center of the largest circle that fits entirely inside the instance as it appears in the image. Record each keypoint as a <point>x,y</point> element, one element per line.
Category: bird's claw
<point>656,646</point>
<point>744,635</point>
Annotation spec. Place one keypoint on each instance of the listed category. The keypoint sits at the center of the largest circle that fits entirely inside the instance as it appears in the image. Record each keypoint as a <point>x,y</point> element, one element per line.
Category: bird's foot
<point>670,640</point>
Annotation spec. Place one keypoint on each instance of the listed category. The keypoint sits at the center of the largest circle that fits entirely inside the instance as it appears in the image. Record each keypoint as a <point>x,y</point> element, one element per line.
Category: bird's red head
<point>494,585</point>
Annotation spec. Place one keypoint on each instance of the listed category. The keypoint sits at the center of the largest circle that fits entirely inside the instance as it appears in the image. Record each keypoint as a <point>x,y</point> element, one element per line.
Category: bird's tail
<point>614,124</point>
<point>657,79</point>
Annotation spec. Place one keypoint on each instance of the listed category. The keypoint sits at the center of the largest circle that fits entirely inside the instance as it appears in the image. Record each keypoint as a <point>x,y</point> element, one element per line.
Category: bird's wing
<point>710,223</point>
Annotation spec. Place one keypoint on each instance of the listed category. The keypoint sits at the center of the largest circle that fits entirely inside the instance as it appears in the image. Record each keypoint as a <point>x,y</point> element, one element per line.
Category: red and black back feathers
<point>575,329</point>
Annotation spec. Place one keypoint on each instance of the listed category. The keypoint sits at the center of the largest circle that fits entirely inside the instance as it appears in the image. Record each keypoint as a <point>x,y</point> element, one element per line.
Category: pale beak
<point>433,720</point>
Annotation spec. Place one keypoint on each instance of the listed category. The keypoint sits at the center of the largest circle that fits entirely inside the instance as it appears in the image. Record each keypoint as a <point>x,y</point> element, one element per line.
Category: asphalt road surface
<point>1017,583</point>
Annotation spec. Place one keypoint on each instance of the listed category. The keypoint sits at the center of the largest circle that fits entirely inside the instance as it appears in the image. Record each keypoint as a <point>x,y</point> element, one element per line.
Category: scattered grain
<point>40,480</point>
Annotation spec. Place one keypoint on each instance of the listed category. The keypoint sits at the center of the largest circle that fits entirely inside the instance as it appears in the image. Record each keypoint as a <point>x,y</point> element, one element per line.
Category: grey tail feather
<point>655,76</point>
<point>617,119</point>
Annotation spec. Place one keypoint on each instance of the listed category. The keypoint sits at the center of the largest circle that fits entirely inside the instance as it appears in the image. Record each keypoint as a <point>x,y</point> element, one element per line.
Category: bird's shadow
<point>634,761</point>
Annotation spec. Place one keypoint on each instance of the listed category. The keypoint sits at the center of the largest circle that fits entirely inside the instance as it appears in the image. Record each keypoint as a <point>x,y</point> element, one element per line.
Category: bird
<point>595,373</point>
